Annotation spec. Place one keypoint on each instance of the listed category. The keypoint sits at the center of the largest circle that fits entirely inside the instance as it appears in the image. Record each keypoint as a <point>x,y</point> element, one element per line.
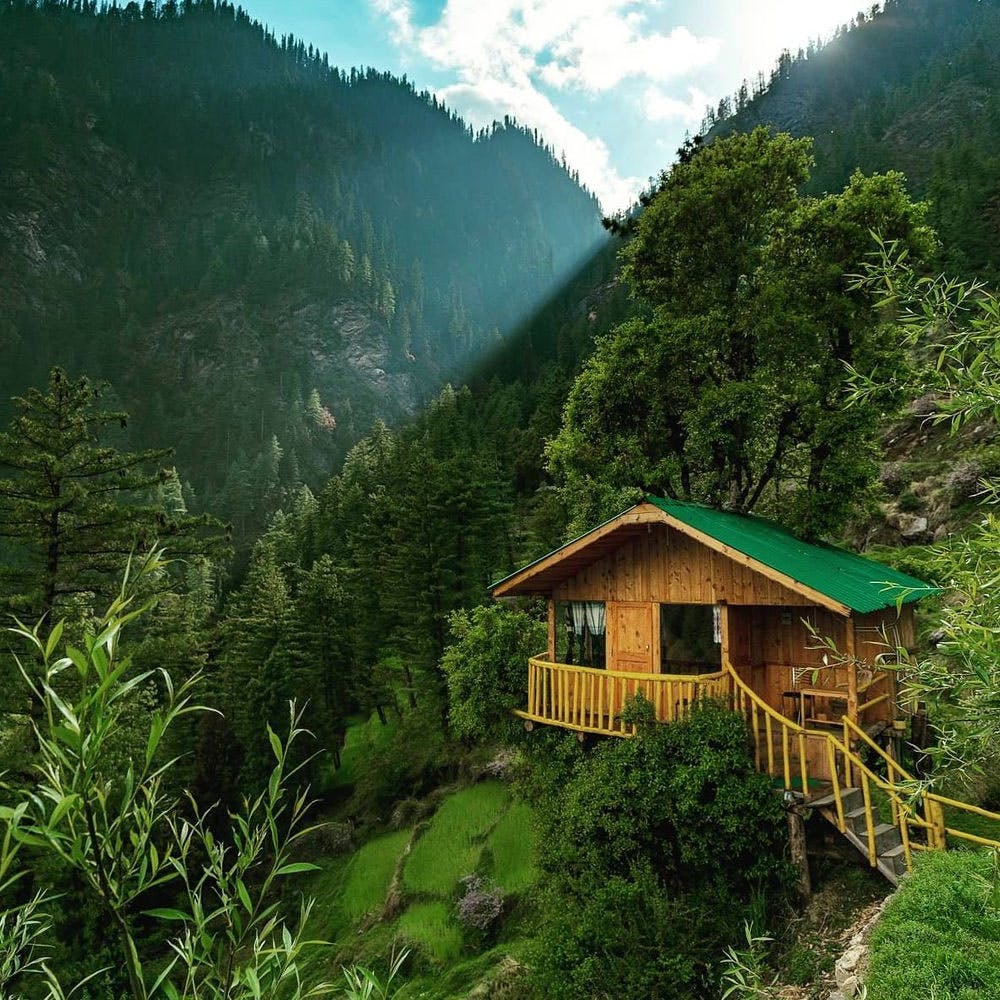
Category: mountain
<point>260,252</point>
<point>913,85</point>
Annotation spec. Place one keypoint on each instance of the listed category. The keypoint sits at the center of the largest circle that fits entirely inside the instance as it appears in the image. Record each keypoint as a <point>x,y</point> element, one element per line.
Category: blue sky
<point>614,84</point>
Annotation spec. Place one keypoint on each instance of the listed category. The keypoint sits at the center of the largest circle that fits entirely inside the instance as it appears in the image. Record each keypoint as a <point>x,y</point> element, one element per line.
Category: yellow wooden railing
<point>933,804</point>
<point>913,810</point>
<point>591,701</point>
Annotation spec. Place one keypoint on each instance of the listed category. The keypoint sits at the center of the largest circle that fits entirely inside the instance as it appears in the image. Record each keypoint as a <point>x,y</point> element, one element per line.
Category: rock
<point>849,987</point>
<point>911,525</point>
<point>849,960</point>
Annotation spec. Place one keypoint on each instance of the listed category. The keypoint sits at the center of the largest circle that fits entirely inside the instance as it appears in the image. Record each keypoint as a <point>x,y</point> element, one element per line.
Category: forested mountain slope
<point>261,253</point>
<point>912,86</point>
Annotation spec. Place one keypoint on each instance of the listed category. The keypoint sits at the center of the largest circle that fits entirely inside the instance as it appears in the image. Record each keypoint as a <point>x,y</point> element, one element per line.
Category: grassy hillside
<point>400,889</point>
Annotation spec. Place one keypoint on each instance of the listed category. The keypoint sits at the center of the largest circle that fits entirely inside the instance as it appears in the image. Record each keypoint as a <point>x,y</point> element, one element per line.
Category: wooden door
<point>630,636</point>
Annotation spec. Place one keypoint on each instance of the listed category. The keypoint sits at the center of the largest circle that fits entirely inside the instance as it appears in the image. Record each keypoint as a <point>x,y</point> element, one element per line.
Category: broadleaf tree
<point>728,385</point>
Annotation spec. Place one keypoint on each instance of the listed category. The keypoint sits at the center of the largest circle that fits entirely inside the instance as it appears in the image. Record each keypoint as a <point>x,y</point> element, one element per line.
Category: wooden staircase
<point>890,854</point>
<point>846,789</point>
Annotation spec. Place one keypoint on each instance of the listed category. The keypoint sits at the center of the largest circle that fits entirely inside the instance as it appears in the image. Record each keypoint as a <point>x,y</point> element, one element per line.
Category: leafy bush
<point>487,669</point>
<point>655,851</point>
<point>227,936</point>
<point>940,934</point>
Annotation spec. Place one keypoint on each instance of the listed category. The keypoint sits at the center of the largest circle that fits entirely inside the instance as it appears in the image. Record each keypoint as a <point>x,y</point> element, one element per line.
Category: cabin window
<point>690,642</point>
<point>581,633</point>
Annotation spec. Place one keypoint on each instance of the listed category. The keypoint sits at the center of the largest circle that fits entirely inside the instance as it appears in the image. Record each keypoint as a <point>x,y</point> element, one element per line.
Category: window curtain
<point>590,613</point>
<point>596,617</point>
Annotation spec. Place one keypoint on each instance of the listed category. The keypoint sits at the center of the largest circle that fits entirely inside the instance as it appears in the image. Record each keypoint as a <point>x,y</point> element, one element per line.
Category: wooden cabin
<point>680,602</point>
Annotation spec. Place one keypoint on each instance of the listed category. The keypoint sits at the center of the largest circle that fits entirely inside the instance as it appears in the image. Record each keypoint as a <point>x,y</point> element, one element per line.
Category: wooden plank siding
<point>662,565</point>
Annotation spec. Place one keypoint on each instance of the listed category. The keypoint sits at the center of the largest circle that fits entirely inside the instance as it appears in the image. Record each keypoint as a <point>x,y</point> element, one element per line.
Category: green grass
<point>363,736</point>
<point>513,846</point>
<point>940,935</point>
<point>433,929</point>
<point>453,843</point>
<point>369,874</point>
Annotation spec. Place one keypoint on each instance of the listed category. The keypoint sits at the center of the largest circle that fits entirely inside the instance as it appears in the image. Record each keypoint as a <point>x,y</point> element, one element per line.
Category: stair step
<point>851,798</point>
<point>886,835</point>
<point>886,838</point>
<point>895,858</point>
<point>885,866</point>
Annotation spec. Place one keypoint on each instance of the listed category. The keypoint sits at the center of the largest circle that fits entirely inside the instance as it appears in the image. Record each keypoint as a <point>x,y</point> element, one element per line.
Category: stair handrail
<point>763,705</point>
<point>903,814</point>
<point>891,763</point>
<point>933,801</point>
<point>786,727</point>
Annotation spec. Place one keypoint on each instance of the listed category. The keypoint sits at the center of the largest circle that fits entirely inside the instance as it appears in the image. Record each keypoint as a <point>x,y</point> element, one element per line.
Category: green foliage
<point>74,506</point>
<point>632,835</point>
<point>485,667</point>
<point>365,984</point>
<point>143,859</point>
<point>451,846</point>
<point>952,330</point>
<point>728,386</point>
<point>940,934</point>
<point>906,86</point>
<point>745,968</point>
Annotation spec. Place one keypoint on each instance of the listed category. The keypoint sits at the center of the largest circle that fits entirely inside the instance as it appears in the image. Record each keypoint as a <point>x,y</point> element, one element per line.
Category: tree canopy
<point>728,385</point>
<point>73,506</point>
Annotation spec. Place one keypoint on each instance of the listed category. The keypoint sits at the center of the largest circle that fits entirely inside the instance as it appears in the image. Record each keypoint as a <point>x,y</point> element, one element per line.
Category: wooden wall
<point>667,567</point>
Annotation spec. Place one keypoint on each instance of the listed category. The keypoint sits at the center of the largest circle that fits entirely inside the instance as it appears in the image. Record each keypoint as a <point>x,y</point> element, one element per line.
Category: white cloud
<point>660,106</point>
<point>504,51</point>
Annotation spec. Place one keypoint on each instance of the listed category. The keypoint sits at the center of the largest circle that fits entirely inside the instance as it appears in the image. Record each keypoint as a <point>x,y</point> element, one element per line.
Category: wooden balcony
<point>591,701</point>
<point>822,767</point>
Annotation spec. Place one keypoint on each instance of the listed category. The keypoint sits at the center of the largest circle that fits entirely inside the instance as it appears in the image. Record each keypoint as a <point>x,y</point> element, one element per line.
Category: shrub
<point>487,669</point>
<point>654,850</point>
<point>480,904</point>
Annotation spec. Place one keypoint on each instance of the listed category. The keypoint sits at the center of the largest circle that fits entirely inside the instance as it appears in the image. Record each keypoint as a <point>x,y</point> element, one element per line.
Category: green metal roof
<point>860,584</point>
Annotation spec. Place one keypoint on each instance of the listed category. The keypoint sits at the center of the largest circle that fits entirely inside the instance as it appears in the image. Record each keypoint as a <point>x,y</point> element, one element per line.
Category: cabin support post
<point>852,670</point>
<point>551,649</point>
<point>654,637</point>
<point>797,844</point>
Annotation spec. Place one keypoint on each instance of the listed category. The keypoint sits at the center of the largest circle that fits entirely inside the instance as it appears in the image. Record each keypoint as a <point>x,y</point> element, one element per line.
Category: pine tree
<point>72,508</point>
